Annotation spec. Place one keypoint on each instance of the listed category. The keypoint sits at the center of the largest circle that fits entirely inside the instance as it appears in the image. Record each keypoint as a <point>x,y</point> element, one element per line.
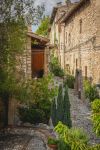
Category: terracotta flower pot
<point>53,146</point>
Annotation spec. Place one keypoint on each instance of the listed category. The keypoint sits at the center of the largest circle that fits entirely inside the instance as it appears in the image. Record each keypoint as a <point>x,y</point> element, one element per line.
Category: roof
<point>64,8</point>
<point>53,14</point>
<point>55,9</point>
<point>73,9</point>
<point>38,38</point>
<point>66,11</point>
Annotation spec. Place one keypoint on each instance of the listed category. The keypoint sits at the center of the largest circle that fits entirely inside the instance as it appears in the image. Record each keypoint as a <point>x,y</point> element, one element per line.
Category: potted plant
<point>52,143</point>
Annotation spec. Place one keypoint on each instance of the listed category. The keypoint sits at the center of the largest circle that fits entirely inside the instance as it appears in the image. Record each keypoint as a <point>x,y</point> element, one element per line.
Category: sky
<point>49,4</point>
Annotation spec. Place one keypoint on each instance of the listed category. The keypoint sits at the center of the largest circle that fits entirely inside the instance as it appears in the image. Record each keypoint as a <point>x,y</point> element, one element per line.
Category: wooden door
<point>37,63</point>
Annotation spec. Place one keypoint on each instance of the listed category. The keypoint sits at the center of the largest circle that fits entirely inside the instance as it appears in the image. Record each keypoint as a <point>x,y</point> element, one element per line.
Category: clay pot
<point>54,147</point>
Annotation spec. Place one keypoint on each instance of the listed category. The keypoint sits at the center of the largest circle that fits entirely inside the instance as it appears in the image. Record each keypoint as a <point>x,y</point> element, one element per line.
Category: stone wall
<point>82,41</point>
<point>57,33</point>
<point>26,59</point>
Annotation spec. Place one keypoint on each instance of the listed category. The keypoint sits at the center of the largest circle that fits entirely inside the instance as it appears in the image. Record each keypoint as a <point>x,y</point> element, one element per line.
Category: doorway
<point>37,63</point>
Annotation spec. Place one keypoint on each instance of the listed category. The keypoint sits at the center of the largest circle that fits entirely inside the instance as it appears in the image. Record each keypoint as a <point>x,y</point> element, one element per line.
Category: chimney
<point>59,3</point>
<point>68,2</point>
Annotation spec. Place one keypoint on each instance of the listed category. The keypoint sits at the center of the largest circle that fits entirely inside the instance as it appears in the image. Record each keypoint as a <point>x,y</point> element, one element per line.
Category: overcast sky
<point>49,4</point>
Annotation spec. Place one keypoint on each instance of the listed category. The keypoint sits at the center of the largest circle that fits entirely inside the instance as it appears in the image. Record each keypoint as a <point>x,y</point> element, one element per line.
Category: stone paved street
<point>37,144</point>
<point>30,138</point>
<point>24,139</point>
<point>80,115</point>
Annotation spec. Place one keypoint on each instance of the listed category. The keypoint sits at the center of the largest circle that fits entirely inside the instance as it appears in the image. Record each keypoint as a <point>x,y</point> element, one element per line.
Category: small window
<point>60,59</point>
<point>76,63</point>
<point>66,37</point>
<point>61,46</point>
<point>59,27</point>
<point>69,38</point>
<point>80,25</point>
<point>85,72</point>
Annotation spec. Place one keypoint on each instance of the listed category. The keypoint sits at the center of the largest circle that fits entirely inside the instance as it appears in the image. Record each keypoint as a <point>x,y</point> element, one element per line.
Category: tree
<point>66,109</point>
<point>44,26</point>
<point>62,113</point>
<point>60,104</point>
<point>54,113</point>
<point>15,15</point>
<point>13,9</point>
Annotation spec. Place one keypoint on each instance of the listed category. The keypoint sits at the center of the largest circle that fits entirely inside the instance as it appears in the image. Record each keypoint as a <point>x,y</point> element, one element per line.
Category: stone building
<point>78,39</point>
<point>34,63</point>
<point>35,57</point>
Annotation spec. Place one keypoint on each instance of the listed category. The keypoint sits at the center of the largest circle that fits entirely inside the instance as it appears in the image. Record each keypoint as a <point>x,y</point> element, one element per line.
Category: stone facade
<point>26,59</point>
<point>80,39</point>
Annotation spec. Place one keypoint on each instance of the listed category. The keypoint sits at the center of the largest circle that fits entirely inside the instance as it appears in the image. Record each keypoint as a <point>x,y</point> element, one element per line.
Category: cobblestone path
<point>80,115</point>
<point>23,139</point>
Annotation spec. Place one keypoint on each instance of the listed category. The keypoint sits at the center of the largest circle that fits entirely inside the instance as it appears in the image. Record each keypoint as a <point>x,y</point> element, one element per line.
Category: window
<point>69,39</point>
<point>80,25</point>
<point>61,46</point>
<point>60,59</point>
<point>76,63</point>
<point>66,37</point>
<point>59,27</point>
<point>85,72</point>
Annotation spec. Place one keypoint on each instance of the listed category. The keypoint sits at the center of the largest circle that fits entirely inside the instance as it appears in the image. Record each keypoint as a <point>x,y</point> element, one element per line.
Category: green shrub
<point>31,115</point>
<point>55,67</point>
<point>95,147</point>
<point>70,80</point>
<point>79,134</point>
<point>63,146</point>
<point>96,115</point>
<point>45,106</point>
<point>74,138</point>
<point>90,91</point>
<point>60,143</point>
<point>41,92</point>
<point>52,141</point>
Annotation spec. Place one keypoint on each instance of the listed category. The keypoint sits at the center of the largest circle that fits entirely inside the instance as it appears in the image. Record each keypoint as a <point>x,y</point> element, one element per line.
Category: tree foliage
<point>14,18</point>
<point>60,104</point>
<point>44,26</point>
<point>62,112</point>
<point>53,112</point>
<point>66,109</point>
<point>40,95</point>
<point>55,67</point>
<point>15,15</point>
<point>90,91</point>
<point>13,9</point>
